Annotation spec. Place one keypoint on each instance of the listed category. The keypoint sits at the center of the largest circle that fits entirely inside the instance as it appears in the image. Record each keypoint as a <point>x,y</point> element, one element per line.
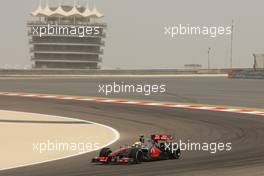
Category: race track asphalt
<point>246,132</point>
<point>201,90</point>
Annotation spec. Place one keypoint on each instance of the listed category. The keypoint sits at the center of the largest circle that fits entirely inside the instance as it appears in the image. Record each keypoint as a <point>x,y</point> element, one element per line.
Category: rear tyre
<point>136,155</point>
<point>176,153</point>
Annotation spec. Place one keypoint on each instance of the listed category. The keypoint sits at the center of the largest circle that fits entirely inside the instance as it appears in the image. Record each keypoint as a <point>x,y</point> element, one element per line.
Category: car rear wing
<point>161,137</point>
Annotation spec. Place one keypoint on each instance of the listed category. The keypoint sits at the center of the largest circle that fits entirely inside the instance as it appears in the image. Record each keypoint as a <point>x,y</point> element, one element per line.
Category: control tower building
<point>66,37</point>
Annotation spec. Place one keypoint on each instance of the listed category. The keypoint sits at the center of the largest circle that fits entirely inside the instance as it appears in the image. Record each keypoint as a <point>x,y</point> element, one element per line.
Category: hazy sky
<point>135,34</point>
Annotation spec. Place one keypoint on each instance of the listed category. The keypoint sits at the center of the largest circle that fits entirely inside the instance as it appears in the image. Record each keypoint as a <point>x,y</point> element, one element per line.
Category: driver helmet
<point>138,143</point>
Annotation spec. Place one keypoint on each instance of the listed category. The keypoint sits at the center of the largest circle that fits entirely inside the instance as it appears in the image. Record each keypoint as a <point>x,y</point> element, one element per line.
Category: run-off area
<point>28,138</point>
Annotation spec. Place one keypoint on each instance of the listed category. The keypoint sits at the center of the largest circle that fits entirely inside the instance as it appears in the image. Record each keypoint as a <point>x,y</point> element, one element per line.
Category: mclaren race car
<point>155,147</point>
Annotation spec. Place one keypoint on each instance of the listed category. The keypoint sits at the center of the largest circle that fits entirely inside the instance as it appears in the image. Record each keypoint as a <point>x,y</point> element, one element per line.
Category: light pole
<point>231,45</point>
<point>208,52</point>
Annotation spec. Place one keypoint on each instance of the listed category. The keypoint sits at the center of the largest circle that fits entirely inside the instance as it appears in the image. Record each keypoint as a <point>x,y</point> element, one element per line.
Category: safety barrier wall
<point>247,74</point>
<point>110,72</point>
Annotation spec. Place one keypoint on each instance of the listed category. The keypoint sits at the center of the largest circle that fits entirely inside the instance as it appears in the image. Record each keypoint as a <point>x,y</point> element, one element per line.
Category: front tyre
<point>104,152</point>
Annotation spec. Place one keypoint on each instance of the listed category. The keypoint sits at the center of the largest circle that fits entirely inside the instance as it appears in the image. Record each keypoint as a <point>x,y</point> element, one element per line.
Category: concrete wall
<point>247,74</point>
<point>110,72</point>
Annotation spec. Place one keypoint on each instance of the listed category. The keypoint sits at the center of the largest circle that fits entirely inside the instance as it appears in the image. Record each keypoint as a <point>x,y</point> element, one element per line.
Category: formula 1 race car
<point>155,147</point>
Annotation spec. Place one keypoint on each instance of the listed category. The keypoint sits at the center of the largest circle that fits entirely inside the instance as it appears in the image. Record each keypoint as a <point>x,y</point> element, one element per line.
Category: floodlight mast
<point>231,45</point>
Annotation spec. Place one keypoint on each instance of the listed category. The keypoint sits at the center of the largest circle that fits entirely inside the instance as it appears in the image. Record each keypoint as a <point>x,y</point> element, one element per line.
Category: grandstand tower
<point>66,37</point>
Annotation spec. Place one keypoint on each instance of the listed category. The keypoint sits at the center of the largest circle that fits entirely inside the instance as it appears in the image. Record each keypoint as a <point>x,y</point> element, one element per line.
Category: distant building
<point>258,60</point>
<point>66,37</point>
<point>193,66</point>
